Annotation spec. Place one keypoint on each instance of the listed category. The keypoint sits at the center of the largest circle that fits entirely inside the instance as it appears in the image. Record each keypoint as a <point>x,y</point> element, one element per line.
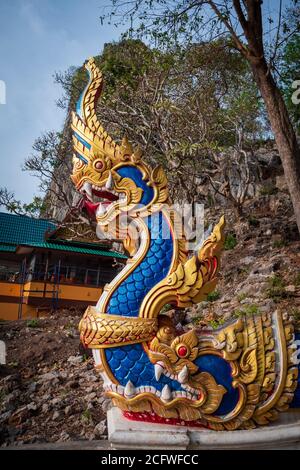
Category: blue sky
<point>37,38</point>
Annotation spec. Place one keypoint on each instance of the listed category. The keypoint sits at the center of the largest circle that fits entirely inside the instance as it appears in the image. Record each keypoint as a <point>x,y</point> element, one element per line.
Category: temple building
<point>42,270</point>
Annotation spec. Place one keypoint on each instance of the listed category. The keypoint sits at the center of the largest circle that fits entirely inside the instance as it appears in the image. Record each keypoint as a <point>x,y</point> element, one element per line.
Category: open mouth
<point>165,394</point>
<point>97,199</point>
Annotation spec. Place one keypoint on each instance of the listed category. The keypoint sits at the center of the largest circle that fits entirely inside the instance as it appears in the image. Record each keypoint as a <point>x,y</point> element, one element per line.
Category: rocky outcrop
<point>261,272</point>
<point>49,390</point>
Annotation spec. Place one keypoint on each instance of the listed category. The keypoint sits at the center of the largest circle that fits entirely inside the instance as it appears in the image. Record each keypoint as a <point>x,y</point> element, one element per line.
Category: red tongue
<point>90,207</point>
<point>106,195</point>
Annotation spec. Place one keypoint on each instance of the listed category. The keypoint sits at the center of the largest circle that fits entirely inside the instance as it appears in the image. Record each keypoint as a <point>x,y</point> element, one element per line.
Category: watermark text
<point>2,92</point>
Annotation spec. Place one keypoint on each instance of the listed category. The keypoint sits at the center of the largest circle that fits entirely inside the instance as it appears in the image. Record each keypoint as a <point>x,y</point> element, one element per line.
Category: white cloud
<point>30,15</point>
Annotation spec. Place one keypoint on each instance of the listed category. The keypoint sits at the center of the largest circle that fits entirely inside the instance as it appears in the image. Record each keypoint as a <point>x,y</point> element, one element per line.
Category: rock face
<point>49,389</point>
<point>262,272</point>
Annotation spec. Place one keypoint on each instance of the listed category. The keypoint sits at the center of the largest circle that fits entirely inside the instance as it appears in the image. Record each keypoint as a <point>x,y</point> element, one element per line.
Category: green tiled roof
<point>18,230</point>
<point>10,248</point>
<point>76,249</point>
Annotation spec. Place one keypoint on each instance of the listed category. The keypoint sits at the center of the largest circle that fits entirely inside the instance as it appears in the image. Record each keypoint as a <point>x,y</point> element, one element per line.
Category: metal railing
<point>72,274</point>
<point>10,276</point>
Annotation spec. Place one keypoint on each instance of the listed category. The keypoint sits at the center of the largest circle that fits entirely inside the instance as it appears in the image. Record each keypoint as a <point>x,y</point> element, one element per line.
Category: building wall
<point>9,311</point>
<point>68,295</point>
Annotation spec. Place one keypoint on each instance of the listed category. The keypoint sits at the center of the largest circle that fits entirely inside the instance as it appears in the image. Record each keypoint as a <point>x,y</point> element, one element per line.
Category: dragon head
<point>112,178</point>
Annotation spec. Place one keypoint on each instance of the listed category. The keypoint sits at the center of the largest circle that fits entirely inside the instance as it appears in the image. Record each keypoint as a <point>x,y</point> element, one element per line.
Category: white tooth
<point>110,182</point>
<point>100,210</point>
<point>183,375</point>
<point>157,392</point>
<point>87,187</point>
<point>120,389</point>
<point>166,394</point>
<point>97,358</point>
<point>158,370</point>
<point>129,389</point>
<point>114,387</point>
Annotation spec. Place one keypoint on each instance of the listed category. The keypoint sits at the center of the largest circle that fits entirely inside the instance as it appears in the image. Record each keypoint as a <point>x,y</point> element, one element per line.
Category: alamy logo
<point>2,92</point>
<point>296,94</point>
<point>296,354</point>
<point>2,352</point>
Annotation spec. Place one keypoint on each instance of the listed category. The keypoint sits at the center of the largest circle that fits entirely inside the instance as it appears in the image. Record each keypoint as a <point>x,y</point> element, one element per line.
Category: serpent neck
<point>150,265</point>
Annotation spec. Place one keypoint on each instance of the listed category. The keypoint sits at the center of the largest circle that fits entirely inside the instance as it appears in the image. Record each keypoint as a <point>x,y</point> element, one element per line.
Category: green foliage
<point>197,319</point>
<point>230,241</point>
<point>166,308</point>
<point>34,323</point>
<point>124,63</point>
<point>276,288</point>
<point>210,201</point>
<point>297,279</point>
<point>295,312</point>
<point>15,206</point>
<point>290,72</point>
<point>2,395</point>
<point>241,296</point>
<point>253,221</point>
<point>276,281</point>
<point>86,415</point>
<point>215,324</point>
<point>279,243</point>
<point>250,309</point>
<point>212,296</point>
<point>13,364</point>
<point>268,190</point>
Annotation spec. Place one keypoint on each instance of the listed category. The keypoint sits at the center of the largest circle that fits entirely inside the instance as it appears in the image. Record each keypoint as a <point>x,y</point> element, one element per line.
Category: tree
<point>243,23</point>
<point>15,206</point>
<point>177,105</point>
<point>194,110</point>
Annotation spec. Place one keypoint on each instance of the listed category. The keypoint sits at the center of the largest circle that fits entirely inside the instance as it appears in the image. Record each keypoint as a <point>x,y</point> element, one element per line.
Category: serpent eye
<point>182,351</point>
<point>99,165</point>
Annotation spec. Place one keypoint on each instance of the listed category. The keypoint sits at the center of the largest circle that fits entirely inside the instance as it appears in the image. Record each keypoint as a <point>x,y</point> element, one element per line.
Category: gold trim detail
<point>101,330</point>
<point>258,349</point>
<point>191,280</point>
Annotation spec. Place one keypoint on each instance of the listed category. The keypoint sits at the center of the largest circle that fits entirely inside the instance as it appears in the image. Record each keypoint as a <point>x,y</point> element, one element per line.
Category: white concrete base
<point>127,434</point>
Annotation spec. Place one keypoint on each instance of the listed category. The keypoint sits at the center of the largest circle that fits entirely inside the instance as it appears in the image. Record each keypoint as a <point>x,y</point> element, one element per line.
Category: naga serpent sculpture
<point>238,376</point>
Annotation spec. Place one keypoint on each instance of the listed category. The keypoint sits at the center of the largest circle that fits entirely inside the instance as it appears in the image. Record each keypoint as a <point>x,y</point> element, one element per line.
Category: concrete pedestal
<point>127,434</point>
